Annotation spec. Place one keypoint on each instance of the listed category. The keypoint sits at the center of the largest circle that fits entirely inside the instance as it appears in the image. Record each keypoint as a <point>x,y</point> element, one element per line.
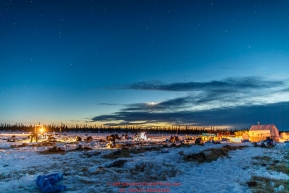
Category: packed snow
<point>144,169</point>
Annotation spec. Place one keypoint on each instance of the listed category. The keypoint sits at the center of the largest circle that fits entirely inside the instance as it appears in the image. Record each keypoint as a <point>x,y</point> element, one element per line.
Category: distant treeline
<point>118,129</point>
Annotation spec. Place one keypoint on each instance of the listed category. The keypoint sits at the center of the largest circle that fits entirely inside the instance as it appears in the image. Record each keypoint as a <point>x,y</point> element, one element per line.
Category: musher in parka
<point>33,136</point>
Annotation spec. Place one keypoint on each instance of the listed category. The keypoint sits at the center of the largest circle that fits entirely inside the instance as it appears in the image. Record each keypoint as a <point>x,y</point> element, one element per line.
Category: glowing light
<point>152,103</point>
<point>235,140</point>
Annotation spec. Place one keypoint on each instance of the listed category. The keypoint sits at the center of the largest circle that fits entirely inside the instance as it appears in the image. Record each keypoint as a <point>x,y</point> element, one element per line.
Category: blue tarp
<point>46,183</point>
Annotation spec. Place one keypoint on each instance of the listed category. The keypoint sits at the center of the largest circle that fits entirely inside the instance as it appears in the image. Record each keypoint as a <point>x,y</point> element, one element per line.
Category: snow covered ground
<point>152,166</point>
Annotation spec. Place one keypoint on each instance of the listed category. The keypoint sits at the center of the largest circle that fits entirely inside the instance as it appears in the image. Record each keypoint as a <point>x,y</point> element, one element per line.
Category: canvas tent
<point>260,132</point>
<point>245,136</point>
<point>284,136</point>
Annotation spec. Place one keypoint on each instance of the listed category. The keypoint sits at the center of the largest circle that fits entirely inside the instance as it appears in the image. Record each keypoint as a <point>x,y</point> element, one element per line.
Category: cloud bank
<point>230,101</point>
<point>243,116</point>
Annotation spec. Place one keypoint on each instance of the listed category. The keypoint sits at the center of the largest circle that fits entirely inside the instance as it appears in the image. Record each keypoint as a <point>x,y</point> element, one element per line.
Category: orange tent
<point>260,132</point>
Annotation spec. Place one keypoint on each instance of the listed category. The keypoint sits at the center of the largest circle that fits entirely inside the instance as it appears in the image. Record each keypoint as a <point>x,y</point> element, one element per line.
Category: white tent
<point>261,132</point>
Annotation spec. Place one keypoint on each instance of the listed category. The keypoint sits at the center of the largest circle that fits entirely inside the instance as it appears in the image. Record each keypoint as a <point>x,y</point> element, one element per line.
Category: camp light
<point>143,136</point>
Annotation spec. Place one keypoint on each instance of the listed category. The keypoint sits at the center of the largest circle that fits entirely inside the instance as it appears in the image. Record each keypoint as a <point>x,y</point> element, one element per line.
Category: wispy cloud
<point>109,104</point>
<point>229,84</point>
<point>286,90</point>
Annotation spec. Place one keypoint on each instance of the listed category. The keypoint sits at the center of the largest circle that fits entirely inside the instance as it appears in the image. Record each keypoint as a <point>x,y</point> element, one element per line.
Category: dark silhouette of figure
<point>112,139</point>
<point>34,136</point>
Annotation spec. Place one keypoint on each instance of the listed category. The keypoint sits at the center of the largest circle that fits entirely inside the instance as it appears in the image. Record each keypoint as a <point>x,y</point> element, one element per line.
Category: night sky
<point>143,62</point>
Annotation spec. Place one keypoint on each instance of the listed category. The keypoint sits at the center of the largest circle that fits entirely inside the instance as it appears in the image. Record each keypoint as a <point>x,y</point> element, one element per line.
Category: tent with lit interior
<point>261,132</point>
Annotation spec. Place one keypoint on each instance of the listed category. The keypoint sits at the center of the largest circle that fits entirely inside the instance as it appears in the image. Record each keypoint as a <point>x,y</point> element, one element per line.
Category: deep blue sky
<point>206,63</point>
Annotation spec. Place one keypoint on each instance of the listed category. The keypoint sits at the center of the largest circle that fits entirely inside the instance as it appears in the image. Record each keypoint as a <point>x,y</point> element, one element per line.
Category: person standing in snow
<point>112,139</point>
<point>33,136</point>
